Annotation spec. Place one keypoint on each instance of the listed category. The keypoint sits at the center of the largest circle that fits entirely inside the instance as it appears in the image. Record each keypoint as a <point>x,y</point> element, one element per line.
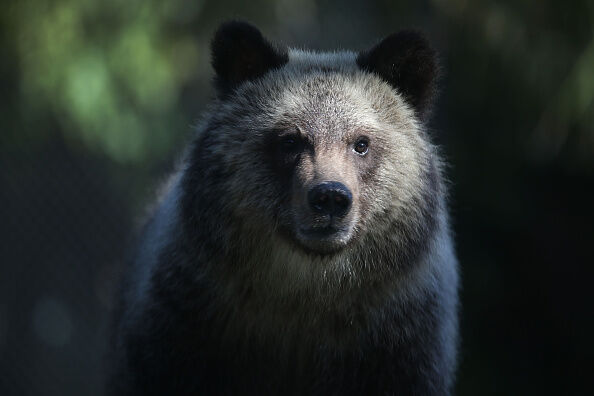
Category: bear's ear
<point>240,53</point>
<point>407,62</point>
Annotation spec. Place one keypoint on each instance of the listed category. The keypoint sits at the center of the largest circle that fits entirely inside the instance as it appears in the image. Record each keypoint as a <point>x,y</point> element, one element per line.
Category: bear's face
<point>322,155</point>
<point>318,148</point>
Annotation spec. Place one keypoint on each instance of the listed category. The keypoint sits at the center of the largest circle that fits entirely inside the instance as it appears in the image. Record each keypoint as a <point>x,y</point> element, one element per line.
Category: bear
<point>303,247</point>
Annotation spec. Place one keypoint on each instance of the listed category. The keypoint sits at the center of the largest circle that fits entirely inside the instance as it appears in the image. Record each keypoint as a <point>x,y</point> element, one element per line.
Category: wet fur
<point>221,299</point>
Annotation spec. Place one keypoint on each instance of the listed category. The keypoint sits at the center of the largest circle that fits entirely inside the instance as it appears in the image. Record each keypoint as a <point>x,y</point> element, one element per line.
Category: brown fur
<point>230,293</point>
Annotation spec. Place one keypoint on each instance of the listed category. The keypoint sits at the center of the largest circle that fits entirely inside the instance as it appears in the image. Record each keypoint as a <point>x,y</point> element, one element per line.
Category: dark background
<point>97,101</point>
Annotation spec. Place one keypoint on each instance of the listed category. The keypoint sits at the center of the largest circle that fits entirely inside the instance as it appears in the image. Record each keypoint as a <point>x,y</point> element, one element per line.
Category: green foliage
<point>107,71</point>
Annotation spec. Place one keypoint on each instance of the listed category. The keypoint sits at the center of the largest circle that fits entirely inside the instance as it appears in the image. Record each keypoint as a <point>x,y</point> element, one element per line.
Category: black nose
<point>330,198</point>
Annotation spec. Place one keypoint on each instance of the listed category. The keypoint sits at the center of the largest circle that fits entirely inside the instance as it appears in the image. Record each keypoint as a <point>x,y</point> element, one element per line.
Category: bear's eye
<point>361,146</point>
<point>289,143</point>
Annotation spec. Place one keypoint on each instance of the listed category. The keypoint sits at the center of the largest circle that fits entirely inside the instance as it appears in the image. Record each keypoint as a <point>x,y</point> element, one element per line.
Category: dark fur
<point>389,328</point>
<point>240,53</point>
<point>406,61</point>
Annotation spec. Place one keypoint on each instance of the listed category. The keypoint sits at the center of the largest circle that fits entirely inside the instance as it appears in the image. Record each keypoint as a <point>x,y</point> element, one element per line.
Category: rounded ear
<point>240,53</point>
<point>408,63</point>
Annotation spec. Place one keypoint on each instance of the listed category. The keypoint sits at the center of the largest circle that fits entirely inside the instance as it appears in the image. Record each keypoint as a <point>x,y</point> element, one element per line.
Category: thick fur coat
<point>243,282</point>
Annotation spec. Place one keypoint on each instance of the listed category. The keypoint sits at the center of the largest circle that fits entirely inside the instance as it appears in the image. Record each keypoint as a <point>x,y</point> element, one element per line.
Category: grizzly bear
<point>303,246</point>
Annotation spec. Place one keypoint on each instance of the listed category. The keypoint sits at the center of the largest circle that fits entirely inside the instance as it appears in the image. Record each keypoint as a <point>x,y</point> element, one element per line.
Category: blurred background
<point>98,99</point>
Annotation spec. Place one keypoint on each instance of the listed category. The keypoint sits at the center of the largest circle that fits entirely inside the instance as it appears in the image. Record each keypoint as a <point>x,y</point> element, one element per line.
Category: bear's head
<point>325,150</point>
